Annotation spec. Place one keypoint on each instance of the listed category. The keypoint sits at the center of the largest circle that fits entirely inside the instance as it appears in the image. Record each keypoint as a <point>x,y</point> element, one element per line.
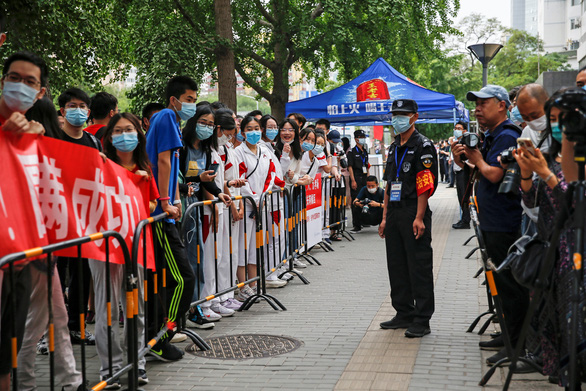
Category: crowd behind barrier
<point>280,238</point>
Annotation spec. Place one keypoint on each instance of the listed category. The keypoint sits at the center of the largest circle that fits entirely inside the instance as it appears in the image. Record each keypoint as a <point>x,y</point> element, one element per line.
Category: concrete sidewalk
<point>337,318</point>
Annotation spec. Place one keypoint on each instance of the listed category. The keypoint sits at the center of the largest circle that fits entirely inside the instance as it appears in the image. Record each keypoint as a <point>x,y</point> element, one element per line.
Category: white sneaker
<point>220,309</point>
<point>178,337</point>
<point>232,304</point>
<point>245,293</point>
<point>297,271</point>
<point>278,283</point>
<point>210,315</point>
<point>298,264</point>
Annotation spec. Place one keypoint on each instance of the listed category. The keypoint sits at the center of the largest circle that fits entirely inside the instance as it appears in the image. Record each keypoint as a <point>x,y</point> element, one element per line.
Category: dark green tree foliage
<point>272,36</point>
<point>82,41</point>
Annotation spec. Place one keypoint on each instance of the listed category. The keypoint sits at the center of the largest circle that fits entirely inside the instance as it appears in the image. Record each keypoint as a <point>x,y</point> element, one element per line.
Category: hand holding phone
<point>214,167</point>
<point>526,143</point>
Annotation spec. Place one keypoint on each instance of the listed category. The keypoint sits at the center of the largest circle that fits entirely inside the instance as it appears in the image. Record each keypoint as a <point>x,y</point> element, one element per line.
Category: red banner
<point>375,89</point>
<point>313,193</point>
<point>53,191</point>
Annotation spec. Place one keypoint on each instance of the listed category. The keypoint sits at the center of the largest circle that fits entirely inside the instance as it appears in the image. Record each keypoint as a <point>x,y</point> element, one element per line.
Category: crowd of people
<point>188,152</point>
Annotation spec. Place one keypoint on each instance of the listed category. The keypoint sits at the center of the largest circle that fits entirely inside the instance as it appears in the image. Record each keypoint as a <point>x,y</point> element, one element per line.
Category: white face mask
<point>538,124</point>
<point>371,190</point>
<point>223,140</point>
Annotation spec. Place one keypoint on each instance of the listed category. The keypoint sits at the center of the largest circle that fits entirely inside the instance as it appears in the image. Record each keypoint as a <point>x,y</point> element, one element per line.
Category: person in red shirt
<point>124,144</point>
<point>103,107</point>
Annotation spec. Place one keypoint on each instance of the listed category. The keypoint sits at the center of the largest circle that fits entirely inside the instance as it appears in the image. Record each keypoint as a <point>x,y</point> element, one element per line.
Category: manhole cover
<point>245,346</point>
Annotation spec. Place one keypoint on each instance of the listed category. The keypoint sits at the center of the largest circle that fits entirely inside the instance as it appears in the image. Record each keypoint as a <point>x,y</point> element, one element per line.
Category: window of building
<point>574,23</point>
<point>576,2</point>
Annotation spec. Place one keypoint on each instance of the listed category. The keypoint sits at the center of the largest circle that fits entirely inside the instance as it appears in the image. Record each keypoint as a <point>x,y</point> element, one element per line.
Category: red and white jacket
<point>260,177</point>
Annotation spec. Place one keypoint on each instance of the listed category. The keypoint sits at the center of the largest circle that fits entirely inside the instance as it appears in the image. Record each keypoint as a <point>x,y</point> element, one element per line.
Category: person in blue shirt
<point>163,144</point>
<point>499,214</point>
<point>375,195</point>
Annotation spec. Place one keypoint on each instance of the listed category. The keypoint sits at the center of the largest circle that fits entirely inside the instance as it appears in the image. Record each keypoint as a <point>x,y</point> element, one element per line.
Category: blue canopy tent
<point>367,100</point>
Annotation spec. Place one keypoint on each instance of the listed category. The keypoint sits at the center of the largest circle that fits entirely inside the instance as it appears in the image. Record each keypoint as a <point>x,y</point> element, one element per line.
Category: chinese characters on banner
<point>54,191</point>
<point>314,211</point>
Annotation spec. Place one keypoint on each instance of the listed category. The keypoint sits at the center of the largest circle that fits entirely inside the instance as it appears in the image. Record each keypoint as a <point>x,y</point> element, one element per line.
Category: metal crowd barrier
<point>378,170</point>
<point>159,284</point>
<point>130,286</point>
<point>334,205</point>
<point>298,221</point>
<point>194,211</point>
<point>275,232</point>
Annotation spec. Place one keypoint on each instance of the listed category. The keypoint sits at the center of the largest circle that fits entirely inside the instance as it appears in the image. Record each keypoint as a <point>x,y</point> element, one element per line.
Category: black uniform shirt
<point>357,159</point>
<point>418,169</point>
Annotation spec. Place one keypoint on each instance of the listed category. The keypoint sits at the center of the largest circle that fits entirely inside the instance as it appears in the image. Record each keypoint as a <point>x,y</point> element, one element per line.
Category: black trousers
<point>75,266</point>
<point>461,183</point>
<point>21,294</point>
<point>410,264</point>
<point>442,167</point>
<point>170,253</point>
<point>515,298</point>
<point>373,217</point>
<point>360,183</point>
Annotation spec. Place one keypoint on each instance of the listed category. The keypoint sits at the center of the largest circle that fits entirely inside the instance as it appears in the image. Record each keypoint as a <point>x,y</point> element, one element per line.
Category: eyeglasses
<point>14,77</point>
<point>71,105</point>
<point>205,123</point>
<point>125,130</point>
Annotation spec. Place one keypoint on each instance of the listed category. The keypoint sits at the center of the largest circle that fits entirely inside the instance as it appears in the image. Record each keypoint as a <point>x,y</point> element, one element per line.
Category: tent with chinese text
<point>367,100</point>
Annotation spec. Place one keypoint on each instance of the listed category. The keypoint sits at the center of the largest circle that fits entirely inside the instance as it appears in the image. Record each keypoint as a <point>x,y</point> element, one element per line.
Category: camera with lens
<point>572,119</point>
<point>342,155</point>
<point>470,140</point>
<point>365,208</point>
<point>512,179</point>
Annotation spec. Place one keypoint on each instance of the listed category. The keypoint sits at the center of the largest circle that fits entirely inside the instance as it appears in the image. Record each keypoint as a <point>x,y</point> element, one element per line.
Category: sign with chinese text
<point>314,212</point>
<point>55,191</point>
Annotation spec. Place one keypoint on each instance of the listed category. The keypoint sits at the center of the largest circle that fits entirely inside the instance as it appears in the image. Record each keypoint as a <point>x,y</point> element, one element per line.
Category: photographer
<point>499,214</point>
<point>370,200</point>
<point>546,190</point>
<point>462,179</point>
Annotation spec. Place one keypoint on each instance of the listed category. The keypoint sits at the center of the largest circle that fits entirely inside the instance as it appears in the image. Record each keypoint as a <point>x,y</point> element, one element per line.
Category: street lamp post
<point>485,52</point>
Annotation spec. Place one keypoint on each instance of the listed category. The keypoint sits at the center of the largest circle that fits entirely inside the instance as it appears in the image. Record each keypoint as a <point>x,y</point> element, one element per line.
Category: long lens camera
<point>512,179</point>
<point>572,119</point>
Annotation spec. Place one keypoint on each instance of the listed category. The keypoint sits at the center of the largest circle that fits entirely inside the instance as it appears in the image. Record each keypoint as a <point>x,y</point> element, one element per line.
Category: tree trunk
<point>280,95</point>
<point>224,54</point>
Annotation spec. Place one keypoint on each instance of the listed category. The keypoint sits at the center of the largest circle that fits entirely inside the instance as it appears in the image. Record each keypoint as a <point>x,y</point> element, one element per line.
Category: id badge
<point>396,191</point>
<point>364,170</point>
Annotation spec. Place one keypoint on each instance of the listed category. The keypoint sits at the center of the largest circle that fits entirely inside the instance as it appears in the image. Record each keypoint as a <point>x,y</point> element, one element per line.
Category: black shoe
<point>335,238</point>
<point>356,230</point>
<point>396,323</point>
<point>523,367</point>
<point>166,352</point>
<point>461,225</point>
<point>142,377</point>
<point>76,338</point>
<point>417,330</point>
<point>449,186</point>
<point>496,357</point>
<point>493,344</point>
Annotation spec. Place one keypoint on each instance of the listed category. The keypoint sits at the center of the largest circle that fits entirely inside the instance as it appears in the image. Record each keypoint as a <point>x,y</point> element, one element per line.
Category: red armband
<point>425,181</point>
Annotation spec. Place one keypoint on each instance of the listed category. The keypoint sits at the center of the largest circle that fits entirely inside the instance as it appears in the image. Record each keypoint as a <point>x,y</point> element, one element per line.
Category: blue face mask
<point>76,117</point>
<point>125,142</point>
<point>516,116</point>
<point>239,137</point>
<point>401,123</point>
<point>318,149</point>
<point>457,133</point>
<point>272,133</point>
<point>187,111</point>
<point>584,88</point>
<point>556,132</point>
<point>19,96</point>
<point>307,146</point>
<point>253,136</point>
<point>204,131</point>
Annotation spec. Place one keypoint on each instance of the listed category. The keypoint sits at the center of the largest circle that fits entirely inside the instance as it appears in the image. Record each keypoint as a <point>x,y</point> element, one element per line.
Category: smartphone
<point>527,144</point>
<point>214,167</point>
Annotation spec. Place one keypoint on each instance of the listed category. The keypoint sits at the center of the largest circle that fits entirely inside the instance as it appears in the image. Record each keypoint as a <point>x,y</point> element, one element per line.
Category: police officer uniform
<point>358,160</point>
<point>411,170</point>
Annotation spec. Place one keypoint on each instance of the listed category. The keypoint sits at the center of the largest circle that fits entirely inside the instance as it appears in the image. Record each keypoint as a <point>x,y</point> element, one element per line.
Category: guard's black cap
<point>360,133</point>
<point>404,106</point>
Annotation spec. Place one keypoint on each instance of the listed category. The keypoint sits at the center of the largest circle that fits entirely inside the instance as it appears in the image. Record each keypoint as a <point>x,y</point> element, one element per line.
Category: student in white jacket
<point>259,170</point>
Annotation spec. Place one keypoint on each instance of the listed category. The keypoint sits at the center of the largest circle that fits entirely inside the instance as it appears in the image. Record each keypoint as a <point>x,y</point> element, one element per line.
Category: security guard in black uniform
<point>411,175</point>
<point>358,169</point>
